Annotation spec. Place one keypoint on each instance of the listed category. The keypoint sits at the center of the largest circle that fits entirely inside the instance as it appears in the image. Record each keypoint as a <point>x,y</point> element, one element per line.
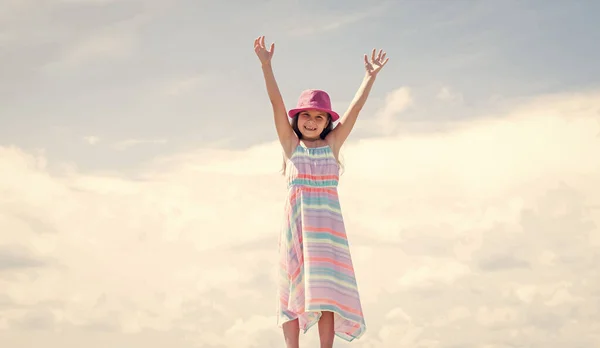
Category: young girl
<point>316,282</point>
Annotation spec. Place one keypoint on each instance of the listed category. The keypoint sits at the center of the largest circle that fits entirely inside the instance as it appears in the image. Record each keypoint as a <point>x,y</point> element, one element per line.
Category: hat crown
<point>314,98</point>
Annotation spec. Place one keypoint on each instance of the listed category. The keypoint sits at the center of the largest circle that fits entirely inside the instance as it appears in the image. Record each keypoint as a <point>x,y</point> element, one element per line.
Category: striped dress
<point>315,269</point>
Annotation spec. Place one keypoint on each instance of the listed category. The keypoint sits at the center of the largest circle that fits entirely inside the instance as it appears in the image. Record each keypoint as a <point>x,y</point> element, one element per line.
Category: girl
<point>316,282</point>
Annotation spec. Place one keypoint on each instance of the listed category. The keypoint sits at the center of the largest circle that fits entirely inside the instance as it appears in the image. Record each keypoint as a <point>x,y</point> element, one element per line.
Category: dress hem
<point>345,336</point>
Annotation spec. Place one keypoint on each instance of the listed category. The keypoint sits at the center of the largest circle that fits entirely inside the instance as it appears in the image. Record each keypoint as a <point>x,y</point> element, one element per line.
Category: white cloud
<point>125,144</point>
<point>387,119</point>
<point>333,21</point>
<point>38,22</point>
<point>113,42</point>
<point>74,33</point>
<point>488,226</point>
<point>184,85</point>
<point>498,318</point>
<point>448,95</point>
<point>434,273</point>
<point>91,139</point>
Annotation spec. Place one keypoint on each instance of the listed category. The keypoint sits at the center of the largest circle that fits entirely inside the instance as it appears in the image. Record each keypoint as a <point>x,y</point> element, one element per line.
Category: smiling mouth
<point>310,129</point>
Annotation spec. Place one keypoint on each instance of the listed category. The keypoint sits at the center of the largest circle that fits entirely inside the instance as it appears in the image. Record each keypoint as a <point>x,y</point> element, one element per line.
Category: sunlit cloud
<point>491,226</point>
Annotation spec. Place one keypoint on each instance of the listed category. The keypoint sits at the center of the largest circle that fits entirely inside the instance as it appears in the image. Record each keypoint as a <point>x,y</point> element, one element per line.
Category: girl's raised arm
<point>282,125</point>
<point>342,130</point>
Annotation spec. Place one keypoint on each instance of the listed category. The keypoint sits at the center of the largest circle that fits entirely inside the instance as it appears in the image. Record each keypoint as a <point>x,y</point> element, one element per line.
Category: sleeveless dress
<point>315,267</point>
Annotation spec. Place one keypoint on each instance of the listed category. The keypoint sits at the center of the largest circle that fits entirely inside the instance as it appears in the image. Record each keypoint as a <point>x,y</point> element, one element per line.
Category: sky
<point>140,193</point>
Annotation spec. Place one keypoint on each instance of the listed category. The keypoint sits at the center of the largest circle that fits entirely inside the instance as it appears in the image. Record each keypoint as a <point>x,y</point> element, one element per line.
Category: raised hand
<point>261,52</point>
<point>376,63</point>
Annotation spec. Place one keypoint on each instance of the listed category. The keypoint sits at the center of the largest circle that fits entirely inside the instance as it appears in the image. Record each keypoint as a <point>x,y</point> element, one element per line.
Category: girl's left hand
<point>376,63</point>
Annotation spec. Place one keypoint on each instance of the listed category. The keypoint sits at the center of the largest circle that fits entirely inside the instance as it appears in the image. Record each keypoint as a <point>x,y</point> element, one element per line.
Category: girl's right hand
<point>261,52</point>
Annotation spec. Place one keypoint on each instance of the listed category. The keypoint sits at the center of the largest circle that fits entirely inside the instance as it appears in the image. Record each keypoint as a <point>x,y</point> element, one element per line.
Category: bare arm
<point>341,132</point>
<point>344,127</point>
<point>282,125</point>
<point>285,132</point>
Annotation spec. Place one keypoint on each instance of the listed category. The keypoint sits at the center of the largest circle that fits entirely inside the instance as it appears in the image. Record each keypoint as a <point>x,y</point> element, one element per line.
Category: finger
<point>262,42</point>
<point>379,54</point>
<point>272,49</point>
<point>383,55</point>
<point>384,62</point>
<point>368,65</point>
<point>373,55</point>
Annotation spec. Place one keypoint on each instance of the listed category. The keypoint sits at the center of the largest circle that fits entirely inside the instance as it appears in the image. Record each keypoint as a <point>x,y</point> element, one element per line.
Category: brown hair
<point>323,134</point>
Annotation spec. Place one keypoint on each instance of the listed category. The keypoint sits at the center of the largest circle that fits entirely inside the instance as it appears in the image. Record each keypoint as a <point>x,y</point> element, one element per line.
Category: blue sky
<point>177,75</point>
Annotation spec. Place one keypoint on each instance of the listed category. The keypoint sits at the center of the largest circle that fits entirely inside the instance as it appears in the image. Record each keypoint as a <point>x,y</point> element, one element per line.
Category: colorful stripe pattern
<point>316,271</point>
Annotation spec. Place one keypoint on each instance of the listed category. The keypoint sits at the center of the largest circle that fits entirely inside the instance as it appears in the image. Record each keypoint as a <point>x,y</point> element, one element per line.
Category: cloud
<point>490,228</point>
<point>396,102</point>
<point>184,85</point>
<point>334,21</point>
<point>60,35</point>
<point>439,273</point>
<point>116,41</point>
<point>16,258</point>
<point>91,139</point>
<point>125,144</point>
<point>447,95</point>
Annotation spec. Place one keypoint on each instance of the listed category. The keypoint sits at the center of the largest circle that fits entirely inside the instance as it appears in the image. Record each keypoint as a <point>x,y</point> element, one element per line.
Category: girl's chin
<point>309,134</point>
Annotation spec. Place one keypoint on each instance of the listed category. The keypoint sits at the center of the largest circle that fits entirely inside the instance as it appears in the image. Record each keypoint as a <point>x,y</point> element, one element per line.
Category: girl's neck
<point>312,142</point>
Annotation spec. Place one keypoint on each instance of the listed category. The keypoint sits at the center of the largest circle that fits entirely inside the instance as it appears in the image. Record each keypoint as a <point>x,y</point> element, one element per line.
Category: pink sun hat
<point>314,99</point>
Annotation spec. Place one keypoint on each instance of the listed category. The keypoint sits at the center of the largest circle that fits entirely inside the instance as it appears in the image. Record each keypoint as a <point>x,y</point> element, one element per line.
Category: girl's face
<point>311,123</point>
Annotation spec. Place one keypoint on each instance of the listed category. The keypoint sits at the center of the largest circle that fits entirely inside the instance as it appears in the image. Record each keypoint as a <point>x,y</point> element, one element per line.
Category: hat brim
<point>334,115</point>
